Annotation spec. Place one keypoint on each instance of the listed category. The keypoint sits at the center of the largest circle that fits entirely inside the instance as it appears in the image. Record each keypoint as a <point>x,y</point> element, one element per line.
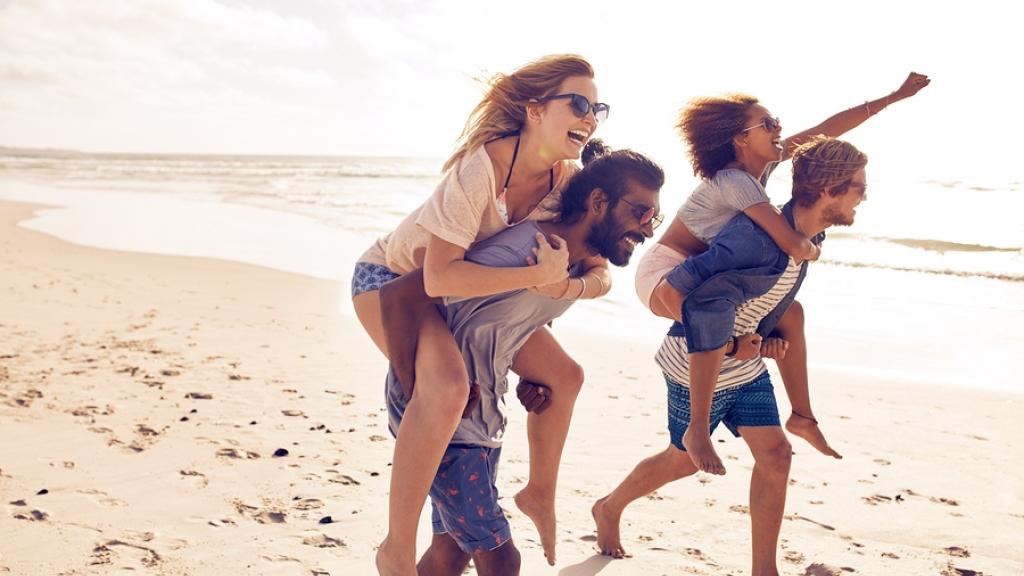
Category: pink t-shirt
<point>462,210</point>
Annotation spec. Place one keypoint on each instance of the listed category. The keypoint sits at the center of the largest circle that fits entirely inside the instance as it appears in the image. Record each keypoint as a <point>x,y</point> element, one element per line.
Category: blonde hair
<point>824,164</point>
<point>708,125</point>
<point>503,108</point>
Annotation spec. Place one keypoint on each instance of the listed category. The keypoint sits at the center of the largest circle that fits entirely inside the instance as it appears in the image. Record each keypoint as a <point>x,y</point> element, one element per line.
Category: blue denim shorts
<point>464,499</point>
<point>368,277</point>
<point>750,404</point>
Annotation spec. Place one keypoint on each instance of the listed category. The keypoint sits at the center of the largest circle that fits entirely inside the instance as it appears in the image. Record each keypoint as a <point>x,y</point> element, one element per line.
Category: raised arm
<point>446,272</point>
<point>842,122</point>
<point>774,223</point>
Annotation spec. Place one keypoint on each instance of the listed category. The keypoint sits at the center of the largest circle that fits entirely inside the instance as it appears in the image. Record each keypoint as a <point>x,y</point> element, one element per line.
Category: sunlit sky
<point>397,78</point>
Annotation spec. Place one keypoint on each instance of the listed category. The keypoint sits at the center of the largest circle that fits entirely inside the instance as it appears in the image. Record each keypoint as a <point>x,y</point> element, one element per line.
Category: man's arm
<point>403,302</point>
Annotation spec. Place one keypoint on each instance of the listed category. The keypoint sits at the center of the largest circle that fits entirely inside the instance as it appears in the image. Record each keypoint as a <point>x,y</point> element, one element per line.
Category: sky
<point>398,78</point>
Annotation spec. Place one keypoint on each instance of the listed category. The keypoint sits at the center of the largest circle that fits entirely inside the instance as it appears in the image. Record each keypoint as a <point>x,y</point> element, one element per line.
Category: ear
<point>598,202</point>
<point>534,111</point>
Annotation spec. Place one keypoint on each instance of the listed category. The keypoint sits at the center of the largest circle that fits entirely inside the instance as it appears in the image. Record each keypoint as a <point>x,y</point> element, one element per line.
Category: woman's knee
<point>793,319</point>
<point>446,392</point>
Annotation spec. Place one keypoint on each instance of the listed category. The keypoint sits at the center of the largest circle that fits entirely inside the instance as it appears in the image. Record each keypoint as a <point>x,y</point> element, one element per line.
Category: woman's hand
<point>912,85</point>
<point>748,346</point>
<point>774,348</point>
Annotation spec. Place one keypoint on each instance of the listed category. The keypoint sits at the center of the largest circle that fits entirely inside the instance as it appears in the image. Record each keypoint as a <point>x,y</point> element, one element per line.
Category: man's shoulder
<point>516,242</point>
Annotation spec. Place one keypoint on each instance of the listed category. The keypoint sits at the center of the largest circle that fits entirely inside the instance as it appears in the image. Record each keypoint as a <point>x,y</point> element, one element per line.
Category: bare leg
<point>403,304</point>
<point>443,558</point>
<point>793,368</point>
<point>768,482</point>
<point>430,419</point>
<point>543,360</point>
<point>502,561</point>
<point>704,369</point>
<point>650,474</point>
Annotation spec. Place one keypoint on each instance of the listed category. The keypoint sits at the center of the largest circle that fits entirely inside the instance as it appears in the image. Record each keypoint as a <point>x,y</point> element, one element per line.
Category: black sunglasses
<point>645,214</point>
<point>769,123</point>
<point>581,106</point>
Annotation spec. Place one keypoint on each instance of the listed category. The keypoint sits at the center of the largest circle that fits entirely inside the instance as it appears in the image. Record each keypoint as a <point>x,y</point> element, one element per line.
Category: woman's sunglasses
<point>581,106</point>
<point>769,123</point>
<point>645,214</point>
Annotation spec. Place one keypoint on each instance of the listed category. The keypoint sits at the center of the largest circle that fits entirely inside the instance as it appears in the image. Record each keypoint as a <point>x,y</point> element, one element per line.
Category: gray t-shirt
<point>489,330</point>
<point>716,201</point>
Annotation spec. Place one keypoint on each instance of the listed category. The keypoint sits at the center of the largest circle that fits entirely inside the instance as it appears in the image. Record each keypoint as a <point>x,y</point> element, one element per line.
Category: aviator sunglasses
<point>769,123</point>
<point>581,106</point>
<point>645,214</point>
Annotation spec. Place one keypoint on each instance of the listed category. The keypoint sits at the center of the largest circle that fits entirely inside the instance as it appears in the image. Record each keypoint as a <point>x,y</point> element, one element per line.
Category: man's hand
<point>534,397</point>
<point>472,401</point>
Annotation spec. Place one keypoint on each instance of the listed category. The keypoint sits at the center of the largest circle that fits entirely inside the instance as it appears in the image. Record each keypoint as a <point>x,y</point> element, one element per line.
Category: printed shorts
<point>464,499</point>
<point>368,277</point>
<point>750,404</point>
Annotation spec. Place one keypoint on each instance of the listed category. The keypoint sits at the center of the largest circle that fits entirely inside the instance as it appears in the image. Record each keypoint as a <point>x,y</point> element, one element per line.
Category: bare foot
<point>807,428</point>
<point>608,539</point>
<point>542,512</point>
<point>389,563</point>
<point>702,452</point>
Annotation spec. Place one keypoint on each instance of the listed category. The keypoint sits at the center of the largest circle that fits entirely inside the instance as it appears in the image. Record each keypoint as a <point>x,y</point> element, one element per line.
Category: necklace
<point>503,202</point>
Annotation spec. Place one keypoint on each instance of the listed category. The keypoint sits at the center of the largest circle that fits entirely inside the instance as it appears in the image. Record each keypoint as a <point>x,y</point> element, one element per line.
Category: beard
<point>607,239</point>
<point>834,217</point>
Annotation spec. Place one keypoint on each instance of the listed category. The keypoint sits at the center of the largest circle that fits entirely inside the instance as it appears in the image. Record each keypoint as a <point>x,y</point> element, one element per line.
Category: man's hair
<point>610,170</point>
<point>502,111</point>
<point>708,125</point>
<point>824,164</point>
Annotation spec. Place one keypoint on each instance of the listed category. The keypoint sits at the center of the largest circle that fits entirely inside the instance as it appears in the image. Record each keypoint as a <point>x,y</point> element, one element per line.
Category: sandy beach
<point>169,415</point>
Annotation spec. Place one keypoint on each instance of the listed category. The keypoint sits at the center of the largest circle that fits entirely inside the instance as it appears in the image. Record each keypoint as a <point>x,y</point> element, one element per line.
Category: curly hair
<point>708,125</point>
<point>502,111</point>
<point>608,170</point>
<point>824,164</point>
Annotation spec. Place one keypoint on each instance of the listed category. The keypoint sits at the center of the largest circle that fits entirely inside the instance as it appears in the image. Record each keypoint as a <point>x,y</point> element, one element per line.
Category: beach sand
<point>143,399</point>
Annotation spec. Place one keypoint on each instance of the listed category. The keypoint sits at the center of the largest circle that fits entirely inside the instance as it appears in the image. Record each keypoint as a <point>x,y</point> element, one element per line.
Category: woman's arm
<point>842,122</point>
<point>447,273</point>
<point>774,223</point>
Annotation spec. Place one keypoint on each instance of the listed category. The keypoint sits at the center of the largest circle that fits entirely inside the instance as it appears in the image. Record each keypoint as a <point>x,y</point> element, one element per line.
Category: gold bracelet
<point>583,288</point>
<point>600,283</point>
<point>868,108</point>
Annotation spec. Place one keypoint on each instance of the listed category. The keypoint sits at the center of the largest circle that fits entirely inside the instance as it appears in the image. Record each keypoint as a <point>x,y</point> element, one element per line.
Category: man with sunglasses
<point>742,283</point>
<point>608,208</point>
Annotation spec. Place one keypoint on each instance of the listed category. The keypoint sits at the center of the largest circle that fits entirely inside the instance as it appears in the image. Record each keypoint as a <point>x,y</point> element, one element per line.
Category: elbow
<point>432,283</point>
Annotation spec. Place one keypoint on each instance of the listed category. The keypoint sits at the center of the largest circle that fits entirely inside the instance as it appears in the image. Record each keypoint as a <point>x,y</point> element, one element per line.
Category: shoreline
<point>147,394</point>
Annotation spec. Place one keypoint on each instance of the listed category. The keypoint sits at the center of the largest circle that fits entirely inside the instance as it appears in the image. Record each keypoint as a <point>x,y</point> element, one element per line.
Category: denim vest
<point>742,262</point>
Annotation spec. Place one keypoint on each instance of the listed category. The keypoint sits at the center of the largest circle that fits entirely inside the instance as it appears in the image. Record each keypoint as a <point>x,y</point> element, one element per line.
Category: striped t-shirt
<point>674,359</point>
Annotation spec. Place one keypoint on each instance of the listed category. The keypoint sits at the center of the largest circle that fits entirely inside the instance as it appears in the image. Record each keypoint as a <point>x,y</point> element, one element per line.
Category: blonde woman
<point>515,154</point>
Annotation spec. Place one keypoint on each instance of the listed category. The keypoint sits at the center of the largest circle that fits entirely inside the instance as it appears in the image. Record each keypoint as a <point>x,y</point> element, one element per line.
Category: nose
<point>648,229</point>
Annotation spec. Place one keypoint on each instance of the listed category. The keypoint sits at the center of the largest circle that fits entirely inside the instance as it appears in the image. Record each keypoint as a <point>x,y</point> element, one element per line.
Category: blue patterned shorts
<point>751,404</point>
<point>368,277</point>
<point>464,499</point>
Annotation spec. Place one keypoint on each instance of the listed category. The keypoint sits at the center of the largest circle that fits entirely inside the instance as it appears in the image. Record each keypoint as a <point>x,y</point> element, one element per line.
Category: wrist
<point>731,346</point>
<point>563,291</point>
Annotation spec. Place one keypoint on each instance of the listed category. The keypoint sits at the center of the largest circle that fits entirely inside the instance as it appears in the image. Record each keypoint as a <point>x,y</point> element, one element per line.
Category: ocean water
<point>957,246</point>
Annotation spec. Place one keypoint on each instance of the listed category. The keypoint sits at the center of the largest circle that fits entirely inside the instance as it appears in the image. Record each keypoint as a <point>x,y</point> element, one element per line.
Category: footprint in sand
<point>323,541</point>
<point>102,498</point>
<point>818,569</point>
<point>957,551</point>
<point>124,551</point>
<point>794,557</point>
<point>239,454</point>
